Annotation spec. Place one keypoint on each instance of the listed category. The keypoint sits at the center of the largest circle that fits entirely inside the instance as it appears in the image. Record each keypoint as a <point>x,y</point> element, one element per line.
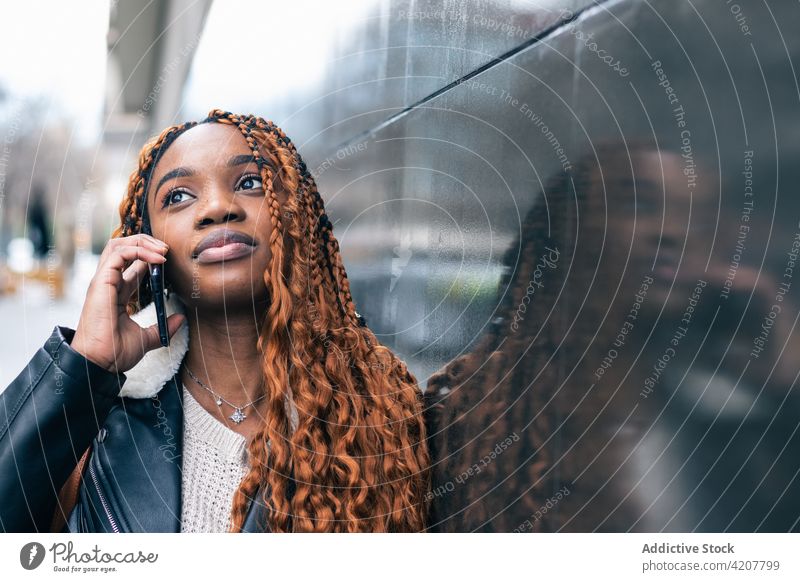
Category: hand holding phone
<point>157,289</point>
<point>105,333</point>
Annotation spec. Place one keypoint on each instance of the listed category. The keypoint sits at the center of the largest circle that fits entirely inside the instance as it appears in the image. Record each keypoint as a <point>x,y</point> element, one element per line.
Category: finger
<point>152,339</point>
<point>158,241</point>
<point>123,256</point>
<point>135,271</point>
<point>111,271</point>
<point>143,240</point>
<point>132,278</point>
<point>149,239</point>
<point>174,322</point>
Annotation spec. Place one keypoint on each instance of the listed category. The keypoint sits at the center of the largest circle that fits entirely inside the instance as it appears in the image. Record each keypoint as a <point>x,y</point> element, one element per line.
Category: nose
<point>219,206</point>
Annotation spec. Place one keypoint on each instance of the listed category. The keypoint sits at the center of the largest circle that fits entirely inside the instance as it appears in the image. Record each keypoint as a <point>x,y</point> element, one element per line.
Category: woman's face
<point>665,227</point>
<point>207,184</point>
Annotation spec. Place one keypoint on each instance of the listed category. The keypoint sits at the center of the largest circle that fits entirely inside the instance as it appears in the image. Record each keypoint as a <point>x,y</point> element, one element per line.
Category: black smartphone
<point>157,288</point>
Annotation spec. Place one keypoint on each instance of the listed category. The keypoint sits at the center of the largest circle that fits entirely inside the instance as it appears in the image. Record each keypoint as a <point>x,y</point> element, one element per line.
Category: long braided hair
<point>526,388</point>
<point>486,397</point>
<point>358,456</point>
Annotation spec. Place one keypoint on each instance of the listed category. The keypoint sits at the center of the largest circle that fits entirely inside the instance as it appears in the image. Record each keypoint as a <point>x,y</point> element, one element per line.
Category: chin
<point>230,289</point>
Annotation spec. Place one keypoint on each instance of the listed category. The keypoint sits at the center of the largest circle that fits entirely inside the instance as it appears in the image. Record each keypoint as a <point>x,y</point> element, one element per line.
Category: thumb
<point>153,339</point>
<point>174,322</point>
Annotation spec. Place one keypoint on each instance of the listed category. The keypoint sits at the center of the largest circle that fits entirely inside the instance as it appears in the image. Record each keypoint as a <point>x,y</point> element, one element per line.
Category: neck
<point>223,353</point>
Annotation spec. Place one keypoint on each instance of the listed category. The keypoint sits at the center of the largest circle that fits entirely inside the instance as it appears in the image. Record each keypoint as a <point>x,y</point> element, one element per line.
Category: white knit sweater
<point>215,460</point>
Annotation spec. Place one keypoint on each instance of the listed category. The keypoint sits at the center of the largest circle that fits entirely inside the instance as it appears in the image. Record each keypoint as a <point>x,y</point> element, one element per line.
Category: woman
<point>274,408</point>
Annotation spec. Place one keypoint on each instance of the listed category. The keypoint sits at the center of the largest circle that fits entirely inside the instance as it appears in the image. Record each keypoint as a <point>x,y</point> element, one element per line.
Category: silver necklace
<point>238,411</point>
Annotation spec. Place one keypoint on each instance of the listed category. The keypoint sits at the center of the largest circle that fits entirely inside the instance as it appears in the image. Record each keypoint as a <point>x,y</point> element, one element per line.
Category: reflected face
<point>205,200</point>
<point>674,225</point>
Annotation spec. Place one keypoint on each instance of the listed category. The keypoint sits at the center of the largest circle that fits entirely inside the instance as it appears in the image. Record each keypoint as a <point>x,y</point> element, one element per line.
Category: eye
<point>249,182</point>
<point>169,199</point>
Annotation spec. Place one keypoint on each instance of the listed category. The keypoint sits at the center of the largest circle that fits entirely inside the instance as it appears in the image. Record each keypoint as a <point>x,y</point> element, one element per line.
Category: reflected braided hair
<point>534,379</point>
<point>358,456</point>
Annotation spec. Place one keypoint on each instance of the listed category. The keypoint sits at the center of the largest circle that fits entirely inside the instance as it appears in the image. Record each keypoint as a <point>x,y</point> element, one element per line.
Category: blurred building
<point>150,50</point>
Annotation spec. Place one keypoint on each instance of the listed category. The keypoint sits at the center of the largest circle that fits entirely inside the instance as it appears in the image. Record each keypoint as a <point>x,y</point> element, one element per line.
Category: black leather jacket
<point>60,404</point>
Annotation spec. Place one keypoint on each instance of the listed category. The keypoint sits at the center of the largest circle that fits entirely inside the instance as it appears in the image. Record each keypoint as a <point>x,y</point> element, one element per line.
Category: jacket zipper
<point>103,499</point>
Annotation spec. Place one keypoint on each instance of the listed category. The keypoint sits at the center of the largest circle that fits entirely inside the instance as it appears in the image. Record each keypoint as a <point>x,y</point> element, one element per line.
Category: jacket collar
<point>152,431</point>
<point>160,366</point>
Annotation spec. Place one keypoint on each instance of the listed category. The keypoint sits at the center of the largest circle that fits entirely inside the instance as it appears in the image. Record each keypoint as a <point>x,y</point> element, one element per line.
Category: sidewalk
<point>28,317</point>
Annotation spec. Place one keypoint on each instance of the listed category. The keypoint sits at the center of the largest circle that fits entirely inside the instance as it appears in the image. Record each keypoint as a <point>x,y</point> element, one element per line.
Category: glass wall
<point>577,223</point>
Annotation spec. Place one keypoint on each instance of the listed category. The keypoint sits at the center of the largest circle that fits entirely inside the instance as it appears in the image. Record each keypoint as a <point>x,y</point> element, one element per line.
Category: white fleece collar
<point>158,366</point>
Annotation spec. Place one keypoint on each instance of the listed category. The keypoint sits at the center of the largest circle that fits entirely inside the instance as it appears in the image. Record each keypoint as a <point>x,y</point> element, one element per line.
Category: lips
<point>223,244</point>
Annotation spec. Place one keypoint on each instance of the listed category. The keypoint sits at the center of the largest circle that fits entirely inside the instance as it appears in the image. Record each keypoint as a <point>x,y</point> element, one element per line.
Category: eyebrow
<point>241,160</point>
<point>181,172</point>
<point>172,174</point>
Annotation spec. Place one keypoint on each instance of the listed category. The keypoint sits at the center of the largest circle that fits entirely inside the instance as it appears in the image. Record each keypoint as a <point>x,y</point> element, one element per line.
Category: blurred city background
<point>581,215</point>
<point>80,98</point>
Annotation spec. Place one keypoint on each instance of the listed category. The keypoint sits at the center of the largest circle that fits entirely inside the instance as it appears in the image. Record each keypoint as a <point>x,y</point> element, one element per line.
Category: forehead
<point>204,145</point>
<point>202,148</point>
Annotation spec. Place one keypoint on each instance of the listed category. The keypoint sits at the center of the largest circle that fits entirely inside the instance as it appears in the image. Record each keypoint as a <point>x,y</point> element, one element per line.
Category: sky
<point>56,50</point>
<point>296,38</point>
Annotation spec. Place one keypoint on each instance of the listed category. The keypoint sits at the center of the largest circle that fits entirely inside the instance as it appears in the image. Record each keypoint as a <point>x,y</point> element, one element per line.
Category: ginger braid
<point>358,456</point>
<point>504,386</point>
<point>131,207</point>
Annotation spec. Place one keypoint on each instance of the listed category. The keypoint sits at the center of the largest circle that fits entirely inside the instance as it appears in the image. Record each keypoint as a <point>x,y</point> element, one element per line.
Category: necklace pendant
<point>218,401</point>
<point>238,416</point>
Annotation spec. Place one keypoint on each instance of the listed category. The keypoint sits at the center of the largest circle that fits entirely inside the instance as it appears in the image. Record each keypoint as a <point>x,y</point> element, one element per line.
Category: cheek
<point>171,229</point>
<point>179,267</point>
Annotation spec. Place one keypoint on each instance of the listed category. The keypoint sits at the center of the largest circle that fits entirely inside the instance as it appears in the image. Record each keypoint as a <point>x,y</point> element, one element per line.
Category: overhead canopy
<point>150,50</point>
